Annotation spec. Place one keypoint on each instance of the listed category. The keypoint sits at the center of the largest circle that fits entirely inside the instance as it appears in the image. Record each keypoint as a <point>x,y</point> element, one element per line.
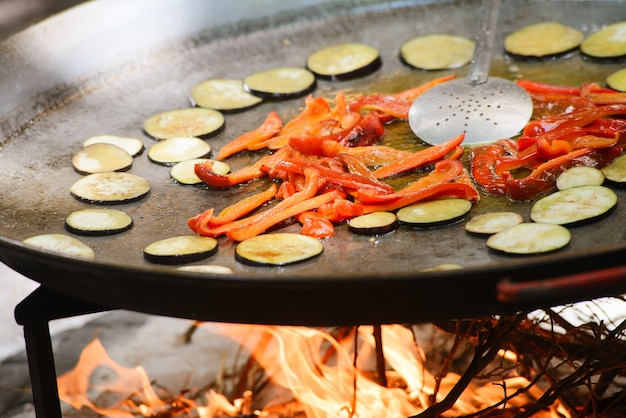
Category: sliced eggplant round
<point>375,223</point>
<point>184,172</point>
<point>133,146</point>
<point>281,83</point>
<point>437,52</point>
<point>607,44</point>
<point>546,40</point>
<point>278,249</point>
<point>98,222</point>
<point>176,149</point>
<point>574,206</point>
<point>344,61</point>
<point>100,158</point>
<point>207,269</point>
<point>617,80</point>
<point>579,176</point>
<point>224,95</point>
<point>615,173</point>
<point>530,238</point>
<point>434,213</point>
<point>493,222</point>
<point>62,244</point>
<point>195,121</point>
<point>180,249</point>
<point>110,188</point>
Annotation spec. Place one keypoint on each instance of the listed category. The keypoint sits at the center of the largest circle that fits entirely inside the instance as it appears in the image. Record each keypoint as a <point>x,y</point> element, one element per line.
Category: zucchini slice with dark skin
<point>492,222</point>
<point>279,249</point>
<point>180,249</point>
<point>579,176</point>
<point>98,222</point>
<point>344,61</point>
<point>62,244</point>
<point>615,172</point>
<point>181,148</point>
<point>529,238</point>
<point>281,83</point>
<point>100,158</point>
<point>543,41</point>
<point>184,172</point>
<point>617,80</point>
<point>224,95</point>
<point>195,121</point>
<point>607,44</point>
<point>437,52</point>
<point>574,206</point>
<point>375,223</point>
<point>133,146</point>
<point>110,188</point>
<point>207,269</point>
<point>434,213</point>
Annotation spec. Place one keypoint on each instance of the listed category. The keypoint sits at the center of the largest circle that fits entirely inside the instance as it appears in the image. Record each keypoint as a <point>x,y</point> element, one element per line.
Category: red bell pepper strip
<point>340,210</point>
<point>538,87</point>
<point>270,127</point>
<point>386,104</point>
<point>315,225</point>
<point>608,127</point>
<point>484,167</point>
<point>420,158</point>
<point>413,93</point>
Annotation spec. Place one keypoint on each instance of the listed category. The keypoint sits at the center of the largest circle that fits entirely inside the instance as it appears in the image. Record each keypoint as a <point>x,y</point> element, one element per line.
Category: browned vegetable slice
<point>174,150</point>
<point>133,146</point>
<point>493,222</point>
<point>375,223</point>
<point>100,158</point>
<point>437,52</point>
<point>615,173</point>
<point>180,249</point>
<point>344,61</point>
<point>62,244</point>
<point>281,83</point>
<point>278,249</point>
<point>184,171</point>
<point>617,80</point>
<point>607,44</point>
<point>225,95</point>
<point>207,269</point>
<point>98,221</point>
<point>546,40</point>
<point>110,188</point>
<point>530,238</point>
<point>579,176</point>
<point>574,206</point>
<point>195,121</point>
<point>434,213</point>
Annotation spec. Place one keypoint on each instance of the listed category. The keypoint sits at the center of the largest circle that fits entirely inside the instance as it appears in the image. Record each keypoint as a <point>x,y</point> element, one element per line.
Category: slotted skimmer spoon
<point>485,108</point>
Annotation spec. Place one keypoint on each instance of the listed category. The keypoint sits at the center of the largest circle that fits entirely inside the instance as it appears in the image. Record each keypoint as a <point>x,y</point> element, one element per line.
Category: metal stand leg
<point>34,313</point>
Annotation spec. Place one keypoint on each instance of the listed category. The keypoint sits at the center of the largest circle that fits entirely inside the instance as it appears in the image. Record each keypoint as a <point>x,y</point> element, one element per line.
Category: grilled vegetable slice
<point>530,238</point>
<point>133,146</point>
<point>344,61</point>
<point>184,172</point>
<point>173,150</point>
<point>374,223</point>
<point>180,249</point>
<point>574,206</point>
<point>110,188</point>
<point>493,222</point>
<point>207,268</point>
<point>278,249</point>
<point>195,121</point>
<point>437,52</point>
<point>546,40</point>
<point>98,221</point>
<point>607,44</point>
<point>99,158</point>
<point>615,173</point>
<point>434,213</point>
<point>62,244</point>
<point>579,176</point>
<point>617,80</point>
<point>225,95</point>
<point>281,83</point>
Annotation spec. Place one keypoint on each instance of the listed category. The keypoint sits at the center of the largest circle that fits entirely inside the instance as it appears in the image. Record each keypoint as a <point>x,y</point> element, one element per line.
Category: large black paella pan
<point>104,67</point>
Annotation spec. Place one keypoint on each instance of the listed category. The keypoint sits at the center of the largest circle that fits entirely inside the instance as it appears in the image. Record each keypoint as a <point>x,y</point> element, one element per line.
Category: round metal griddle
<point>103,68</point>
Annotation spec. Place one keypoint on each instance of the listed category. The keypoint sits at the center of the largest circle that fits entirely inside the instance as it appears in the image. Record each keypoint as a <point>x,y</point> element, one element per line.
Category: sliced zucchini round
<point>544,40</point>
<point>62,244</point>
<point>98,222</point>
<point>207,268</point>
<point>493,222</point>
<point>574,206</point>
<point>180,249</point>
<point>344,61</point>
<point>184,172</point>
<point>607,44</point>
<point>110,188</point>
<point>133,146</point>
<point>437,52</point>
<point>101,157</point>
<point>434,213</point>
<point>195,121</point>
<point>615,173</point>
<point>579,176</point>
<point>617,80</point>
<point>530,238</point>
<point>225,95</point>
<point>375,223</point>
<point>176,149</point>
<point>278,249</point>
<point>281,83</point>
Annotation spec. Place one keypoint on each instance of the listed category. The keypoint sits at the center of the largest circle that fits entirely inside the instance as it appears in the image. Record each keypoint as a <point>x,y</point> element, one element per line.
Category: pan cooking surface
<point>36,161</point>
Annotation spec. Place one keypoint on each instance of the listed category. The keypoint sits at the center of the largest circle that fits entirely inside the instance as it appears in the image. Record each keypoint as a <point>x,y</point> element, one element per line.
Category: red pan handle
<point>514,292</point>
